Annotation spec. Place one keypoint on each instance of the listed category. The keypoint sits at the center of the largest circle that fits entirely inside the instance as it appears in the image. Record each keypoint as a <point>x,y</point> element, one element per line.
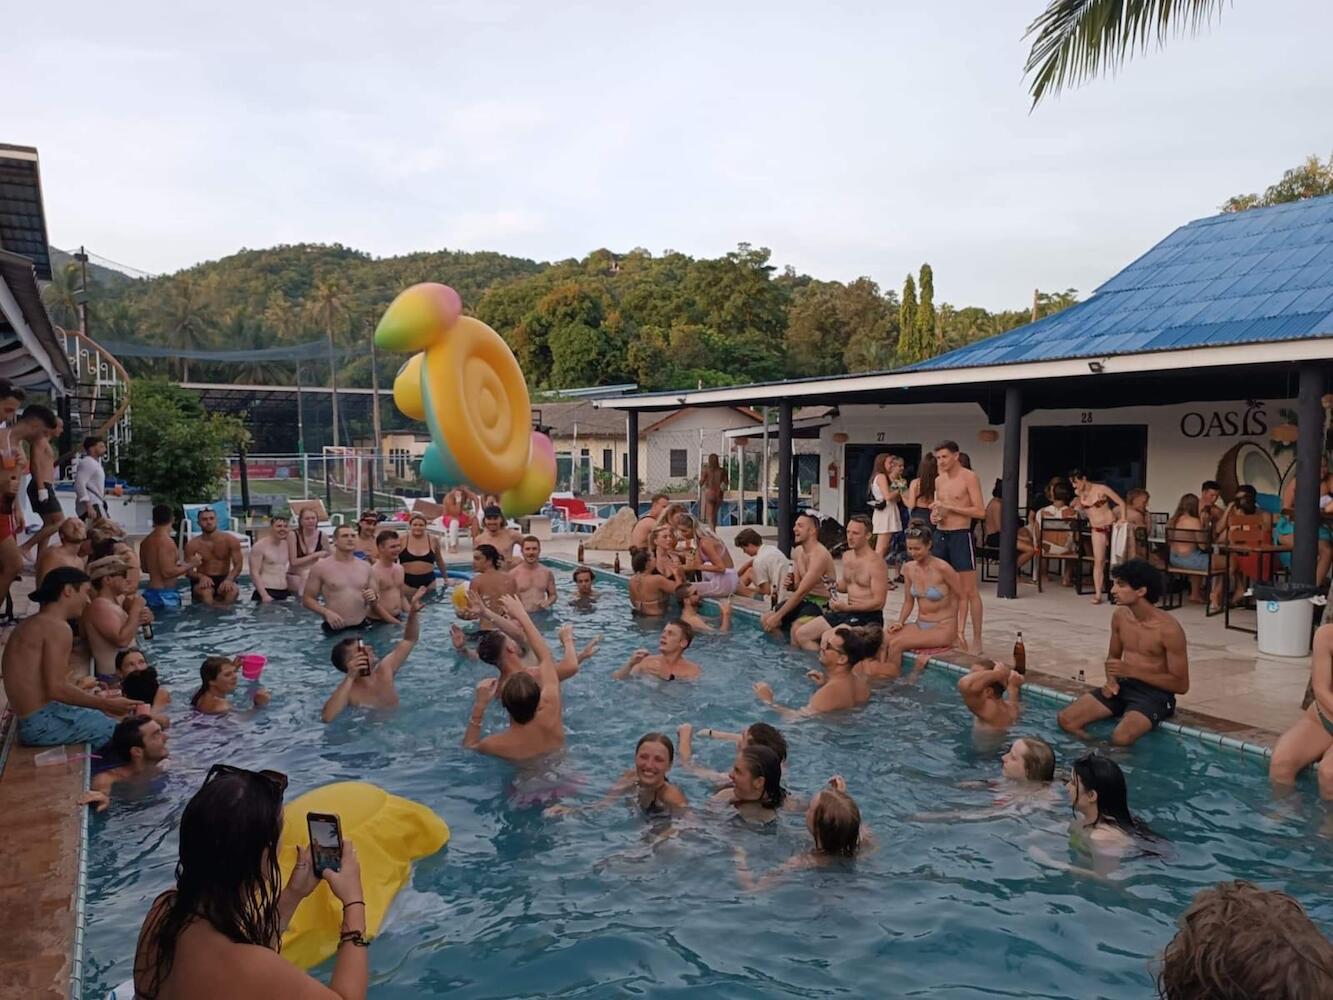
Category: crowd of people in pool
<point>227,911</point>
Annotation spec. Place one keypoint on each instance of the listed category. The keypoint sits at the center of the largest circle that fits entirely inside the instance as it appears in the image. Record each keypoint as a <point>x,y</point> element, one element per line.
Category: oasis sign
<point>1250,422</point>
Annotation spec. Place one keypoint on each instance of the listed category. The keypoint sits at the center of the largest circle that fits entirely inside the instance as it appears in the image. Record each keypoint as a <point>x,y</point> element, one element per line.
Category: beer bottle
<point>617,565</point>
<point>580,553</point>
<point>1020,655</point>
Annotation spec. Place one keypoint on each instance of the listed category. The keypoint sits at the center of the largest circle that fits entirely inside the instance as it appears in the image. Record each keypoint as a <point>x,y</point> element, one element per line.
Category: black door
<point>1114,454</point>
<point>859,466</point>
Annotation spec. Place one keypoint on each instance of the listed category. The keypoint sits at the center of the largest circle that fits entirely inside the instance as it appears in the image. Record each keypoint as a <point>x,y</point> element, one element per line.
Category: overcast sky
<point>851,138</point>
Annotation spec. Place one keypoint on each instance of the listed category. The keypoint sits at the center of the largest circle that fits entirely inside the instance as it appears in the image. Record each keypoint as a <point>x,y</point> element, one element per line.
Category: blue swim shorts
<point>162,598</point>
<point>55,724</point>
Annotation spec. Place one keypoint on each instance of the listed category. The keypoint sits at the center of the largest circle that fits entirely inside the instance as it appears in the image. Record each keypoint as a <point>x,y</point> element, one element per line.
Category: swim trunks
<point>1135,696</point>
<point>808,608</point>
<point>855,619</point>
<point>40,507</point>
<point>278,594</point>
<point>722,584</point>
<point>162,598</point>
<point>364,623</point>
<point>55,724</point>
<point>955,548</point>
<point>418,579</point>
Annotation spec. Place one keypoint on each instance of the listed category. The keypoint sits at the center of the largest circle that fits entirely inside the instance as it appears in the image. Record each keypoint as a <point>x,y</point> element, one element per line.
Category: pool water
<point>594,905</point>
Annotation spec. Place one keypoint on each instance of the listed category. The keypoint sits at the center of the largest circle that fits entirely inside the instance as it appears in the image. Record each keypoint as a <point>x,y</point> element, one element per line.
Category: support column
<point>786,506</point>
<point>1013,443</point>
<point>632,433</point>
<point>1309,446</point>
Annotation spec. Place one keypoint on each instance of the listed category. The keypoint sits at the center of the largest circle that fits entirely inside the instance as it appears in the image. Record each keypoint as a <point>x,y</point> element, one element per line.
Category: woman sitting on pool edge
<point>834,821</point>
<point>756,790</point>
<point>223,921</point>
<point>655,794</point>
<point>217,676</point>
<point>932,588</point>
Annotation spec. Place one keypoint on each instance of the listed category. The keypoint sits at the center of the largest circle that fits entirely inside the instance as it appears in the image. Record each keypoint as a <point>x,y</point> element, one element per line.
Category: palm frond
<point>1076,40</point>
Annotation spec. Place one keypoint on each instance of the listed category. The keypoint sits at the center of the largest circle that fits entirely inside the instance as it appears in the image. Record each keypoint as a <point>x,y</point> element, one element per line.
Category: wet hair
<point>162,513</point>
<point>763,762</point>
<point>490,553</point>
<point>837,824</point>
<point>142,685</point>
<point>388,534</point>
<point>764,735</point>
<point>1139,574</point>
<point>1211,484</point>
<point>582,571</point>
<point>748,536</point>
<point>1188,506</point>
<point>927,473</point>
<point>686,630</point>
<point>661,738</point>
<point>490,646</point>
<point>1237,940</point>
<point>520,694</point>
<point>864,521</point>
<point>208,673</point>
<point>227,872</point>
<point>1062,492</point>
<point>1038,758</point>
<point>127,736</point>
<point>42,414</point>
<point>640,560</point>
<point>860,643</point>
<point>340,653</point>
<point>124,655</point>
<point>54,584</point>
<point>1102,775</point>
<point>945,446</point>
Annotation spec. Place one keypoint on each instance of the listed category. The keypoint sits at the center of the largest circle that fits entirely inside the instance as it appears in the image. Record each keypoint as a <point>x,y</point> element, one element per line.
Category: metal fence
<point>348,480</point>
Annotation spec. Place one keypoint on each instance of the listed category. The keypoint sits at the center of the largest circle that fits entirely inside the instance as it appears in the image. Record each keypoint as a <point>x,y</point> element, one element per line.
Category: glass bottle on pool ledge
<point>616,567</point>
<point>1020,655</point>
<point>580,553</point>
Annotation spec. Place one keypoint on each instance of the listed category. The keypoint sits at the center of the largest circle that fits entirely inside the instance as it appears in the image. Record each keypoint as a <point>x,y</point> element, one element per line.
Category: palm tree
<point>1076,40</point>
<point>329,306</point>
<point>240,332</point>
<point>62,295</point>
<point>185,319</point>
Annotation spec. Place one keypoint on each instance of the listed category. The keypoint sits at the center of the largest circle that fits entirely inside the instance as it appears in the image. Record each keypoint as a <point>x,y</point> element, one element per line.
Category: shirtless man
<point>1209,511</point>
<point>809,591</point>
<point>455,515</point>
<point>535,582</point>
<point>1146,665</point>
<point>495,533</point>
<point>141,743</point>
<point>370,681</point>
<point>641,537</point>
<point>115,614</point>
<point>52,710</point>
<point>386,578</point>
<point>505,646</point>
<point>214,578</point>
<point>712,484</point>
<point>690,601</point>
<point>840,649</point>
<point>865,579</point>
<point>536,719</point>
<point>367,528</point>
<point>1310,738</point>
<point>669,664</point>
<point>36,424</point>
<point>344,582</point>
<point>983,691</point>
<point>584,596</point>
<point>489,582</point>
<point>270,562</point>
<point>161,560</point>
<point>957,503</point>
<point>69,552</point>
<point>649,591</point>
<point>41,487</point>
<point>1094,500</point>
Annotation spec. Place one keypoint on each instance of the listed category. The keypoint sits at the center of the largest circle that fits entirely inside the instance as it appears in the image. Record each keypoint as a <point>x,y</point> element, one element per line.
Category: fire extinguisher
<point>832,474</point>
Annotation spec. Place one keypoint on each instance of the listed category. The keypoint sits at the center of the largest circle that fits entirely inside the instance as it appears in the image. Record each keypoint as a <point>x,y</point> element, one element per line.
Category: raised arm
<point>397,656</point>
<point>339,700</point>
<point>685,754</point>
<point>972,686</point>
<point>569,663</point>
<point>513,607</point>
<point>627,671</point>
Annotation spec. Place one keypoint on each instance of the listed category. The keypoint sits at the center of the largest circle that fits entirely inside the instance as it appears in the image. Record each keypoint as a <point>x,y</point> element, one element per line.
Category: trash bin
<point>1286,617</point>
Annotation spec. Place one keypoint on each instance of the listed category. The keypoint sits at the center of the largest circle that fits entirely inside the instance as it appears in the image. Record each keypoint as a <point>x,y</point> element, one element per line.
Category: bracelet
<point>475,720</point>
<point>353,937</point>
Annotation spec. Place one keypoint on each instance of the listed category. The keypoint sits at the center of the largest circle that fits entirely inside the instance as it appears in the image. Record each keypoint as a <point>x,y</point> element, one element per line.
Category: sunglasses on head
<point>275,779</point>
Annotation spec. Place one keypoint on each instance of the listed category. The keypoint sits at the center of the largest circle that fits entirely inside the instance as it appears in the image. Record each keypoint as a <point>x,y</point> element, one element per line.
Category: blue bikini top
<point>932,593</point>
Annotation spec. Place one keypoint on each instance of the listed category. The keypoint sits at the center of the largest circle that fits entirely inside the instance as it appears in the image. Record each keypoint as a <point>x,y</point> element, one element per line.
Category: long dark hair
<point>926,472</point>
<point>763,762</point>
<point>208,673</point>
<point>227,872</point>
<point>1102,775</point>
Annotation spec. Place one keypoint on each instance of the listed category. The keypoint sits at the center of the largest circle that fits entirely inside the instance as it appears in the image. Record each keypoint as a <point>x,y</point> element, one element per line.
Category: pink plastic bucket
<point>252,665</point>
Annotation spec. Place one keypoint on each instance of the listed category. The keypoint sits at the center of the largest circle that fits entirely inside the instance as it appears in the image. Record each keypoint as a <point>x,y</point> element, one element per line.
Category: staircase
<point>100,402</point>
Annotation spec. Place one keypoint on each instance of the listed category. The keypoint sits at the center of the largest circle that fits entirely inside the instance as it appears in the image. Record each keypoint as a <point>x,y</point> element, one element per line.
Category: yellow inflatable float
<point>389,833</point>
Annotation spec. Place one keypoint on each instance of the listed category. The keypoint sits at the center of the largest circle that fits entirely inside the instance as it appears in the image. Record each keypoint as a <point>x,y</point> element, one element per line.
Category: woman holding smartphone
<point>218,932</point>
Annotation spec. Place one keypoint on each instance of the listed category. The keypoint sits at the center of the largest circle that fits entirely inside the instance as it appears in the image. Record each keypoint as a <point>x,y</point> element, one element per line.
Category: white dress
<point>888,520</point>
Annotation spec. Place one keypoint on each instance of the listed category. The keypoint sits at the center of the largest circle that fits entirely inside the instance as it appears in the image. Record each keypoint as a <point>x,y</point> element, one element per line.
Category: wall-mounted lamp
<point>1096,367</point>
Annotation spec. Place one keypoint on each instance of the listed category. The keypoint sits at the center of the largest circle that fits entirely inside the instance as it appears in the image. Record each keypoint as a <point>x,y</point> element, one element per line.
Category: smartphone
<point>326,842</point>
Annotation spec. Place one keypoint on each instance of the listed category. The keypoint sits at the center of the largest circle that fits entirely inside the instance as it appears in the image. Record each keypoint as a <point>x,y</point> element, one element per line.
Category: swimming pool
<point>589,906</point>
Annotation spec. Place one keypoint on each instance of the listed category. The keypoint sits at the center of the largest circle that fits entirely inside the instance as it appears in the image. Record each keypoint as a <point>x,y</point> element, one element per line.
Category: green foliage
<point>178,452</point>
<point>1310,180</point>
<point>926,334</point>
<point>907,324</point>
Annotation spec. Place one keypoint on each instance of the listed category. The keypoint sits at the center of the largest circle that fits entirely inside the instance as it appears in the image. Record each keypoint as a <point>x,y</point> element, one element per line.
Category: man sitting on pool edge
<point>370,682</point>
<point>1147,665</point>
<point>536,717</point>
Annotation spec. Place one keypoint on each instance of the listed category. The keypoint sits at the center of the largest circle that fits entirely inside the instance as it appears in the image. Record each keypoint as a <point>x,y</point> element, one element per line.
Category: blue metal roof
<point>1246,278</point>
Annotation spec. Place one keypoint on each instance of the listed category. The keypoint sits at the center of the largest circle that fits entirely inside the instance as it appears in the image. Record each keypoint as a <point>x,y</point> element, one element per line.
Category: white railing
<point>103,385</point>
